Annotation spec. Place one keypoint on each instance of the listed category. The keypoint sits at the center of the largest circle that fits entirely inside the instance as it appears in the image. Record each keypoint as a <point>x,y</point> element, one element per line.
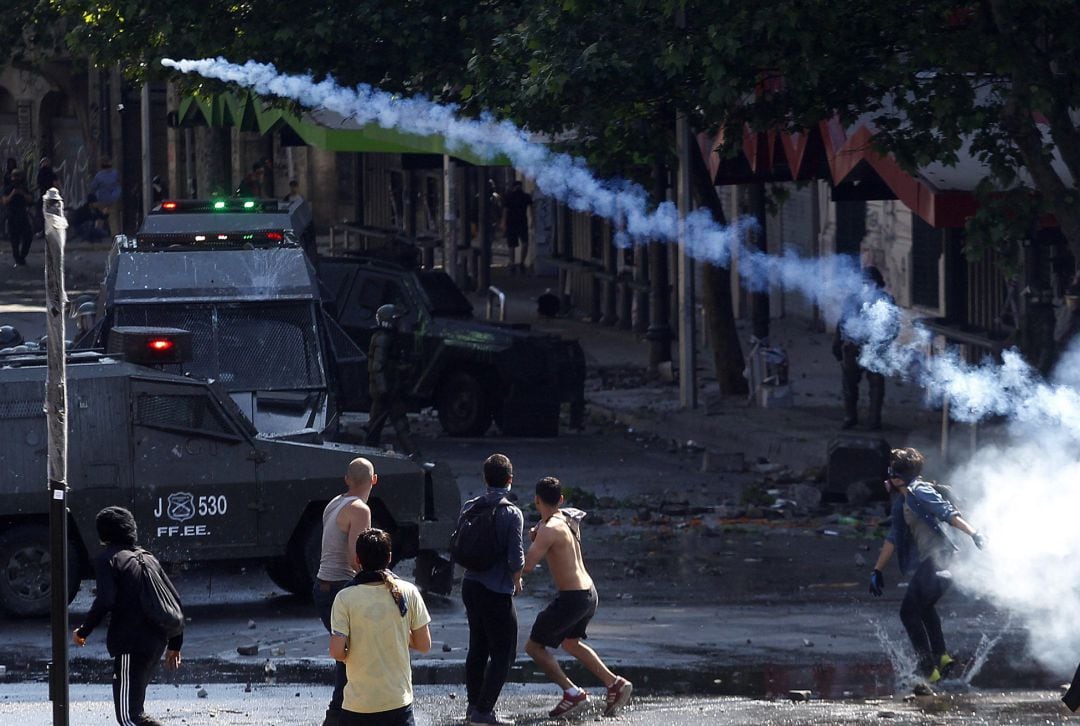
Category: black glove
<point>979,539</point>
<point>877,583</point>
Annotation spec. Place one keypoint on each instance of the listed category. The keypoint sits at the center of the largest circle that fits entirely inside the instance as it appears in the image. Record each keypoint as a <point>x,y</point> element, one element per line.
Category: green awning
<point>322,129</point>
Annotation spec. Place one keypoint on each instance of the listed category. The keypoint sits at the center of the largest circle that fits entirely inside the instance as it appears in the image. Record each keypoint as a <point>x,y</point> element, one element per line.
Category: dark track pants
<point>493,628</point>
<point>323,593</point>
<point>131,676</point>
<point>919,614</point>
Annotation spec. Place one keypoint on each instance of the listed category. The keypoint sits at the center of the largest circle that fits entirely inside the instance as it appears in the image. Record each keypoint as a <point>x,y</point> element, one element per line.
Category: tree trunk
<point>716,293</point>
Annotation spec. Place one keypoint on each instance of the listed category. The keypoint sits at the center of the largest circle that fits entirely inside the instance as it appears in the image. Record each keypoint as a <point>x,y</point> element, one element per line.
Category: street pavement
<point>285,704</point>
<point>831,641</point>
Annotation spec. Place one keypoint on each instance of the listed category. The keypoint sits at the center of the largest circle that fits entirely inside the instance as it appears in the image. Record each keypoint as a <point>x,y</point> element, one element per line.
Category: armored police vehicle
<point>471,371</point>
<point>234,274</point>
<point>203,482</point>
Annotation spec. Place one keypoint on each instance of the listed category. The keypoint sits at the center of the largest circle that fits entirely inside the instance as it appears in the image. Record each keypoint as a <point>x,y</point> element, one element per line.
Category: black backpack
<point>474,544</point>
<point>158,598</point>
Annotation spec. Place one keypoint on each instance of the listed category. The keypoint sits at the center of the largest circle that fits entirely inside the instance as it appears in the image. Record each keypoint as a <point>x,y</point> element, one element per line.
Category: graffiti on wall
<point>70,161</point>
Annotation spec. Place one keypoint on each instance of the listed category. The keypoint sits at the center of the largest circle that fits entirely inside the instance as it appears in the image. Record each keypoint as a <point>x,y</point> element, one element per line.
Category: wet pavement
<point>284,704</point>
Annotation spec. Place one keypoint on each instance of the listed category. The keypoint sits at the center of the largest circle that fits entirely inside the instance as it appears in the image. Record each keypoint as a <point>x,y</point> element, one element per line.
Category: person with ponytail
<point>374,622</point>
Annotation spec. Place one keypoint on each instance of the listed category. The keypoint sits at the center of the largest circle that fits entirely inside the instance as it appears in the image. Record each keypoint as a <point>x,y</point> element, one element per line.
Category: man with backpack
<point>922,544</point>
<point>144,623</point>
<point>488,543</point>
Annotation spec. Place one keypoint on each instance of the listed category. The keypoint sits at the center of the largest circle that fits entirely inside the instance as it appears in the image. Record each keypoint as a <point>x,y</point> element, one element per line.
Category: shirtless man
<point>558,539</point>
<point>345,517</point>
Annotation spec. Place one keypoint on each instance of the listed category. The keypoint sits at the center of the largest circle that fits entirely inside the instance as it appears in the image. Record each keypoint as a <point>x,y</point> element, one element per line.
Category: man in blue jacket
<point>922,544</point>
<point>135,644</point>
<point>489,598</point>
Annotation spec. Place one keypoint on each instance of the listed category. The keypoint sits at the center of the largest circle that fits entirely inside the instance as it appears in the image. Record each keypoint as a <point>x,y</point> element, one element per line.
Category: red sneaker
<point>570,705</point>
<point>618,695</point>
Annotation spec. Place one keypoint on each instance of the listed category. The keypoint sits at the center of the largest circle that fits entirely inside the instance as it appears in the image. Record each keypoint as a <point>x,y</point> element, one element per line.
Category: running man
<point>562,623</point>
<point>922,544</point>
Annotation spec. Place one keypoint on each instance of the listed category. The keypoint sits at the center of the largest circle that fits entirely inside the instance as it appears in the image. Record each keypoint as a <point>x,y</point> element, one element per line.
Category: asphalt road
<point>284,704</point>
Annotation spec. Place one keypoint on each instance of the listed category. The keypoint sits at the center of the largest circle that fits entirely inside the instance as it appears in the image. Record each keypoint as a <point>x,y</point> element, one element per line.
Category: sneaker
<point>923,689</point>
<point>934,677</point>
<point>570,705</point>
<point>945,665</point>
<point>489,717</point>
<point>618,695</point>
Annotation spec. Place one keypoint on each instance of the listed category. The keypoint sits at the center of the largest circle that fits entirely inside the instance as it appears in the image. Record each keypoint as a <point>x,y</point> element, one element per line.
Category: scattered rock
<point>247,688</point>
<point>798,696</point>
<point>201,693</point>
<point>247,649</point>
<point>446,648</point>
<point>860,561</point>
<point>251,625</point>
<point>886,714</point>
<point>807,643</point>
<point>922,689</point>
<point>807,497</point>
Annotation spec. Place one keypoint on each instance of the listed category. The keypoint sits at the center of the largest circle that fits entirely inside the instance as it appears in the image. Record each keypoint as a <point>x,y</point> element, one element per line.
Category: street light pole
<point>56,417</point>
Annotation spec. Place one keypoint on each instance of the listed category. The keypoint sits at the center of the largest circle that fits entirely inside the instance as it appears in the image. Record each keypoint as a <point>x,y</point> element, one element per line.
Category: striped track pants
<point>131,676</point>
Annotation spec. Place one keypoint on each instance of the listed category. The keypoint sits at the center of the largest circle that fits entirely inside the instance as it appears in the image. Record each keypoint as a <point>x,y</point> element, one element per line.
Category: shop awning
<point>319,128</point>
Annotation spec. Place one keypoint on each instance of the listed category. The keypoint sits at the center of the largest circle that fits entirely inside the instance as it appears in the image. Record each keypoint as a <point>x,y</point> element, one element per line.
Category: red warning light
<point>160,345</point>
<point>276,236</point>
<point>168,205</point>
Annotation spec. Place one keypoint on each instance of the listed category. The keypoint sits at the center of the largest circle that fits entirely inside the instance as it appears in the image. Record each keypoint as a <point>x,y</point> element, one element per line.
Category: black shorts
<point>566,617</point>
<point>515,236</point>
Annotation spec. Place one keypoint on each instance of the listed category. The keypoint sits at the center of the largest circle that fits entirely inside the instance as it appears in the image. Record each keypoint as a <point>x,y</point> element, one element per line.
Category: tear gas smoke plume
<point>1020,495</point>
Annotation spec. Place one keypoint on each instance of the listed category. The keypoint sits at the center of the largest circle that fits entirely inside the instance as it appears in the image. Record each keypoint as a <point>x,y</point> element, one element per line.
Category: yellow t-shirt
<point>378,665</point>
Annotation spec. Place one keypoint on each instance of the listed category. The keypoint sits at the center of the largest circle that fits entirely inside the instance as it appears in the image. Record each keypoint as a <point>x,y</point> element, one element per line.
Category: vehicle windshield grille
<point>242,347</point>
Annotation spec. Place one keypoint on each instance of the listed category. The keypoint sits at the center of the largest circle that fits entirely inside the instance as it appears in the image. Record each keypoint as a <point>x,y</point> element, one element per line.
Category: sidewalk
<point>797,436</point>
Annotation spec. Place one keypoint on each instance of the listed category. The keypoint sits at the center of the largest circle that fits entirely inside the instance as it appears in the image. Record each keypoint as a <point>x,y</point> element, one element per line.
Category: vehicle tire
<point>25,571</point>
<point>463,405</point>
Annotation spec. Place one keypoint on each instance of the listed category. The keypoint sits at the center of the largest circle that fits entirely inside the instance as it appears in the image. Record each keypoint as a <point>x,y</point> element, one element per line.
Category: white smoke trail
<point>1023,495</point>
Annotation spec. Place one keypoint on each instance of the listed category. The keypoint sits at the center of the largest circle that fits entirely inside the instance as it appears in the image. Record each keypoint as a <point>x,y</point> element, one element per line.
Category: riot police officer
<point>385,382</point>
<point>848,343</point>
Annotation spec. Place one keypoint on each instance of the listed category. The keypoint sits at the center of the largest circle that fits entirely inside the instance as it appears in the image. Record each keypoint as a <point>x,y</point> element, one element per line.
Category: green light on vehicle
<point>219,205</point>
<point>249,204</point>
<point>249,236</point>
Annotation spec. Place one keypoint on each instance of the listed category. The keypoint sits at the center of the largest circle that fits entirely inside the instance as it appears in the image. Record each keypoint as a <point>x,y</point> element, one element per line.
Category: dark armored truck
<point>203,483</point>
<point>472,371</point>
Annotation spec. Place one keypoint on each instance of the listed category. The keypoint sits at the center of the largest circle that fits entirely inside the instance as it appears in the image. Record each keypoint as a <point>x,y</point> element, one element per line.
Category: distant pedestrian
<point>17,201</point>
<point>86,221</point>
<point>251,184</point>
<point>294,196</point>
<point>374,624</point>
<point>557,539</point>
<point>924,549</point>
<point>106,187</point>
<point>854,332</point>
<point>343,519</point>
<point>388,374</point>
<point>489,597</point>
<point>135,644</point>
<point>9,166</point>
<point>47,178</point>
<point>516,205</point>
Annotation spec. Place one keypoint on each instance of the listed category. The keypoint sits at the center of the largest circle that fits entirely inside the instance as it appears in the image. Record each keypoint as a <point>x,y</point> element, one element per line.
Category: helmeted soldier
<point>852,334</point>
<point>385,382</point>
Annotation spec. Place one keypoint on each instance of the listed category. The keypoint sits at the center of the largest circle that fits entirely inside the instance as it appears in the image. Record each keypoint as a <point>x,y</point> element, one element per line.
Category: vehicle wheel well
<point>74,536</point>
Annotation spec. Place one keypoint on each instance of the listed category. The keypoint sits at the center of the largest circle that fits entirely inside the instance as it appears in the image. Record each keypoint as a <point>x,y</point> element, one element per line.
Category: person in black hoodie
<point>135,645</point>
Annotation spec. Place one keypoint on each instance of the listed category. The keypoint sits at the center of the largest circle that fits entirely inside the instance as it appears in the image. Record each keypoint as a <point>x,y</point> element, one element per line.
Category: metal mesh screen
<point>243,347</point>
<point>187,413</point>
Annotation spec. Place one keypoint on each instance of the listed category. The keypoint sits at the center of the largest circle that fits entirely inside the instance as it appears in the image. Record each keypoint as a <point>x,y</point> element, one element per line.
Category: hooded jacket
<point>119,583</point>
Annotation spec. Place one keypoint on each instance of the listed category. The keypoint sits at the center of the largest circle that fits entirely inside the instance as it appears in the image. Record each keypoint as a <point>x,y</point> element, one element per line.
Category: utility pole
<point>56,416</point>
<point>759,300</point>
<point>687,352</point>
<point>450,261</point>
<point>144,123</point>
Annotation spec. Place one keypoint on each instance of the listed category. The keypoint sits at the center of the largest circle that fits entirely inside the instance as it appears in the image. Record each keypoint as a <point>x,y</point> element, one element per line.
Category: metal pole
<point>56,415</point>
<point>449,221</point>
<point>144,114</point>
<point>687,352</point>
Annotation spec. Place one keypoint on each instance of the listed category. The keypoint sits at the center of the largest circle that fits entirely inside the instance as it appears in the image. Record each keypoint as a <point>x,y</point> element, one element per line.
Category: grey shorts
<point>566,617</point>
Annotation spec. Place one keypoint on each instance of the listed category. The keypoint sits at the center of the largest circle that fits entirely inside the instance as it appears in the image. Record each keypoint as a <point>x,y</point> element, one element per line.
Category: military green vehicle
<point>203,483</point>
<point>472,371</point>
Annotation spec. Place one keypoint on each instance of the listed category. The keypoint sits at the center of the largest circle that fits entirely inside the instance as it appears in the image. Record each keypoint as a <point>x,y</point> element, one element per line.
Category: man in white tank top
<point>345,517</point>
